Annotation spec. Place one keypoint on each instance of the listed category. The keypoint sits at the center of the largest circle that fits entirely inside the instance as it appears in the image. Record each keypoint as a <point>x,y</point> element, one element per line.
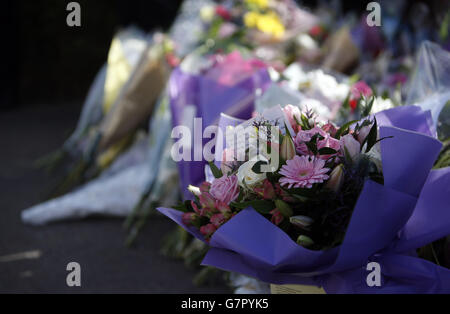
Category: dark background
<point>45,61</point>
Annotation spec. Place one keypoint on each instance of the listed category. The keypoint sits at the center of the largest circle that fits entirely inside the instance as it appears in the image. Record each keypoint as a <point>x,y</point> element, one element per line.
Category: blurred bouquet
<point>318,203</point>
<point>203,87</point>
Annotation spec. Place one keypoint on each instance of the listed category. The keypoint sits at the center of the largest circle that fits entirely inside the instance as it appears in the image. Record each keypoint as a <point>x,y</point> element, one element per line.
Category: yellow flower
<point>260,4</point>
<point>268,23</point>
<point>251,19</point>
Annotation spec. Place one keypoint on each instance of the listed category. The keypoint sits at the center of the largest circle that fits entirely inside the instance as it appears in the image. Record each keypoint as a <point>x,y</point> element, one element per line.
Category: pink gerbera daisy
<point>303,172</point>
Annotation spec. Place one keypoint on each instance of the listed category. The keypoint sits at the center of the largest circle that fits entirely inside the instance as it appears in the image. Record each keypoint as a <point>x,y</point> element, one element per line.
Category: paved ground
<point>97,244</point>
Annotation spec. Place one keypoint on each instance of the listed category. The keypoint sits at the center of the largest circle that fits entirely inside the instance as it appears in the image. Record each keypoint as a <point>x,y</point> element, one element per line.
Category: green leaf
<point>372,137</point>
<point>215,171</point>
<point>344,128</point>
<point>305,123</point>
<point>312,147</point>
<point>368,107</point>
<point>284,208</point>
<point>327,151</point>
<point>261,206</point>
<point>184,207</point>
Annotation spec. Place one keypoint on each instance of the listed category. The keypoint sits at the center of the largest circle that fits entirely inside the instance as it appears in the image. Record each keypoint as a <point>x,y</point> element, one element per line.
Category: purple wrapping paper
<point>210,98</point>
<point>387,224</point>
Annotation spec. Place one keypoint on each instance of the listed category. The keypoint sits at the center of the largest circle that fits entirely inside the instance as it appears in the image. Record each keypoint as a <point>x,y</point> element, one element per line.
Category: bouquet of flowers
<point>316,203</point>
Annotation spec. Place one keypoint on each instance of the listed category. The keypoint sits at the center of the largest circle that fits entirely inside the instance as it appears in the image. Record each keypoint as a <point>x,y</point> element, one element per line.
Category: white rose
<point>247,177</point>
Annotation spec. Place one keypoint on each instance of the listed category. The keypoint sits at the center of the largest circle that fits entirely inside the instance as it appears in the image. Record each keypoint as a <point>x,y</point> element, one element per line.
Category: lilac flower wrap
<point>389,222</point>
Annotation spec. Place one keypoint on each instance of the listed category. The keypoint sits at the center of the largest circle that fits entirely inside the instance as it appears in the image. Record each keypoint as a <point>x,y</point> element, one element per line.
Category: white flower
<point>381,104</point>
<point>207,13</point>
<point>247,177</point>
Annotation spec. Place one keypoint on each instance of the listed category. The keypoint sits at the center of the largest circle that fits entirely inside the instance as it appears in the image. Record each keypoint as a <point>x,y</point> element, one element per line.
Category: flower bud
<point>301,221</point>
<point>189,218</point>
<point>350,147</point>
<point>305,241</point>
<point>284,208</point>
<point>287,150</point>
<point>336,179</point>
<point>363,133</point>
<point>194,190</point>
<point>208,230</point>
<point>277,217</point>
<point>266,191</point>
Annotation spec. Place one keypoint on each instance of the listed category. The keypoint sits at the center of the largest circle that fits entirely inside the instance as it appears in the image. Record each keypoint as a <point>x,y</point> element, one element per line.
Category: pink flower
<point>225,189</point>
<point>189,218</point>
<point>293,113</point>
<point>223,208</point>
<point>303,172</point>
<point>283,194</point>
<point>205,186</point>
<point>223,12</point>
<point>360,89</point>
<point>277,217</point>
<point>218,219</point>
<point>267,191</point>
<point>330,129</point>
<point>207,200</point>
<point>233,69</point>
<point>226,30</point>
<point>194,206</point>
<point>208,230</point>
<point>305,136</point>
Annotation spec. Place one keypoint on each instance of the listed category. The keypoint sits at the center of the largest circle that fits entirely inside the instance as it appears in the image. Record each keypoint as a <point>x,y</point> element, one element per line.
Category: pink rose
<point>292,113</point>
<point>225,189</point>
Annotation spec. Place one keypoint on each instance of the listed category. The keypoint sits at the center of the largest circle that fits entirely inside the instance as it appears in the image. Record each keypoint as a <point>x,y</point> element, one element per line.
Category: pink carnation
<point>225,189</point>
<point>360,89</point>
<point>303,172</point>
